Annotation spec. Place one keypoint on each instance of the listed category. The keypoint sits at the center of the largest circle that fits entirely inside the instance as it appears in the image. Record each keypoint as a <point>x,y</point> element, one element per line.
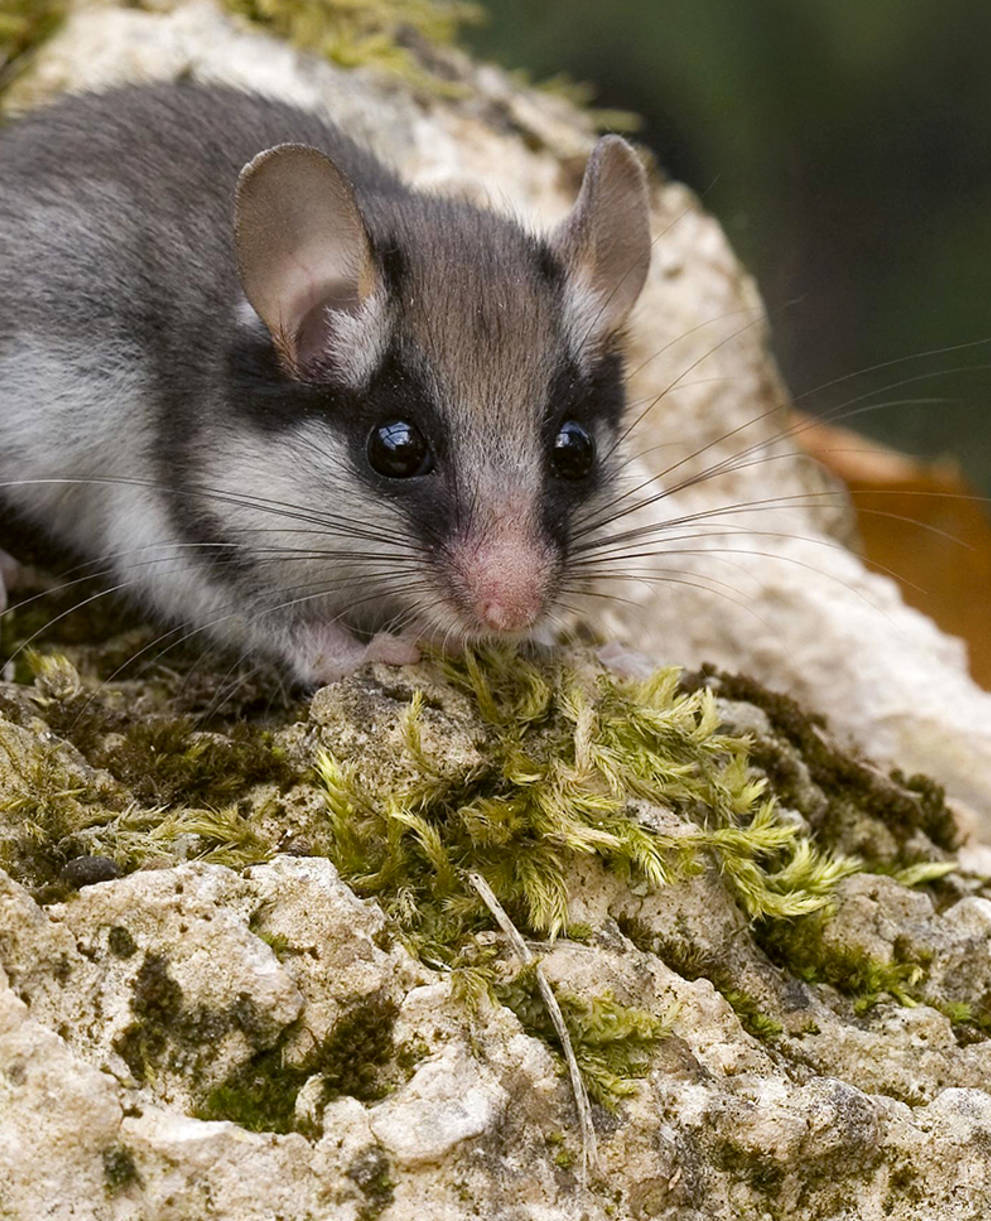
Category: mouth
<point>449,626</point>
<point>456,605</point>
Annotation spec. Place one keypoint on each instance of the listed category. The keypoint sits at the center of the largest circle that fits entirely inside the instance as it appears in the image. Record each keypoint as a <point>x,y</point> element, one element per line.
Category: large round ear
<point>604,242</point>
<point>302,247</point>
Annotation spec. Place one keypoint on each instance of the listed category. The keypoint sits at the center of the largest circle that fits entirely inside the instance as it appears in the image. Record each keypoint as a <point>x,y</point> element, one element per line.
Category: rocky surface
<point>478,1123</point>
<point>255,1040</point>
<point>199,1017</point>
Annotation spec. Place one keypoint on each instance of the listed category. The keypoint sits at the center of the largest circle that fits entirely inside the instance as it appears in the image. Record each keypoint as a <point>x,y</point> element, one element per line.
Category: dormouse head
<point>458,379</point>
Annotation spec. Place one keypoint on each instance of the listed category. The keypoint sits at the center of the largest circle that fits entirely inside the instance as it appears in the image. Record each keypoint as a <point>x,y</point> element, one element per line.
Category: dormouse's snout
<point>502,581</point>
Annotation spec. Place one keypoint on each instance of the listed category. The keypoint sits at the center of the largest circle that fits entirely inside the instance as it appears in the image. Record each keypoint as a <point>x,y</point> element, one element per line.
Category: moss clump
<point>217,837</point>
<point>261,1094</point>
<point>371,1171</point>
<point>120,942</point>
<point>753,1019</point>
<point>24,26</point>
<point>156,1002</point>
<point>119,1170</point>
<point>761,1173</point>
<point>165,760</point>
<point>164,787</point>
<point>613,1043</point>
<point>50,801</point>
<point>803,947</point>
<point>166,1031</point>
<point>351,33</point>
<point>902,804</point>
<point>352,1056</point>
<point>568,756</point>
<point>971,1022</point>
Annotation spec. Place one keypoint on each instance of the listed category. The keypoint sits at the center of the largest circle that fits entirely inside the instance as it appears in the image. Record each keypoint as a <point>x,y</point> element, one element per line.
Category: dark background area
<point>845,145</point>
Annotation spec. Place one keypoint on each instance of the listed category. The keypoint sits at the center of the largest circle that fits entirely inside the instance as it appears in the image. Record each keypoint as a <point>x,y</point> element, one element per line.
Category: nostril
<point>505,618</point>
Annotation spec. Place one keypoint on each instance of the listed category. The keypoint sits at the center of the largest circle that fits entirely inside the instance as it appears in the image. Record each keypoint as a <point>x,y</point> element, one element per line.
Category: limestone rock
<point>197,1040</point>
<point>723,1125</point>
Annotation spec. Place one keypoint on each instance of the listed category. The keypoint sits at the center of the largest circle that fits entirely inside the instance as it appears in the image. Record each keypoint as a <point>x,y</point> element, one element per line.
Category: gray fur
<point>124,433</point>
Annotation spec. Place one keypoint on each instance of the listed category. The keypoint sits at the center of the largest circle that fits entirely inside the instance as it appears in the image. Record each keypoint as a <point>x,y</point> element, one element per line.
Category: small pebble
<point>86,870</point>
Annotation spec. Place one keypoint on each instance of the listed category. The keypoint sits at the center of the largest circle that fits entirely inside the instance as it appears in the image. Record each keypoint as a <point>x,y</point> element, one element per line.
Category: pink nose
<point>508,614</point>
<point>505,580</point>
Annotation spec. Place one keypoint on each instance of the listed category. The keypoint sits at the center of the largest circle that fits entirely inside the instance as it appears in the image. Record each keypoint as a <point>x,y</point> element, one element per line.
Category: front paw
<point>393,650</point>
<point>324,653</point>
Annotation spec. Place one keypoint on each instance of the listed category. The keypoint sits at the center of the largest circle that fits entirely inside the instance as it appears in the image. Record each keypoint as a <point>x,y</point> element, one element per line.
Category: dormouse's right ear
<point>604,242</point>
<point>303,251</point>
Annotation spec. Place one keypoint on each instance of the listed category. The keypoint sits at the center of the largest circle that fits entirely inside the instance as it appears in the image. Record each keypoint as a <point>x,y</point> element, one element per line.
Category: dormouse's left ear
<point>302,248</point>
<point>604,241</point>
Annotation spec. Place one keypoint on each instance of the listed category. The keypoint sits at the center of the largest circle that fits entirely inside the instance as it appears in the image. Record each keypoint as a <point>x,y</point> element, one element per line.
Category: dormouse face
<point>455,382</point>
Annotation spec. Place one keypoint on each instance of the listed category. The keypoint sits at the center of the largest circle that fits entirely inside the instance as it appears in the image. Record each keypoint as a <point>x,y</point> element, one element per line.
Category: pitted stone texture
<point>481,1122</point>
<point>446,1103</point>
<point>166,981</point>
<point>331,944</point>
<point>58,1116</point>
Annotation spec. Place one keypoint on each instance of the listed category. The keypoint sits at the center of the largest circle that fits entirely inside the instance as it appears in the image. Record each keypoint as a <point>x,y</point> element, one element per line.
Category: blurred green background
<point>846,147</point>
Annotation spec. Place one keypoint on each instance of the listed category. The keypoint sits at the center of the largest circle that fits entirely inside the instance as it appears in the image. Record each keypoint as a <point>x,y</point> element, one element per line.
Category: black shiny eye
<point>398,450</point>
<point>573,453</point>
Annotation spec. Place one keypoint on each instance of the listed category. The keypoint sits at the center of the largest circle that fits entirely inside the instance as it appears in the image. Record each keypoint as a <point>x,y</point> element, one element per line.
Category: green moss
<point>119,1170</point>
<point>919,873</point>
<point>166,760</point>
<point>50,802</point>
<point>902,804</point>
<point>168,1032</point>
<point>281,946</point>
<point>581,95</point>
<point>567,754</point>
<point>357,32</point>
<point>613,1043</point>
<point>156,1002</point>
<point>753,1019</point>
<point>971,1022</point>
<point>808,954</point>
<point>168,787</point>
<point>218,837</point>
<point>360,1044</point>
<point>24,26</point>
<point>372,1172</point>
<point>120,942</point>
<point>261,1094</point>
<point>762,1174</point>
